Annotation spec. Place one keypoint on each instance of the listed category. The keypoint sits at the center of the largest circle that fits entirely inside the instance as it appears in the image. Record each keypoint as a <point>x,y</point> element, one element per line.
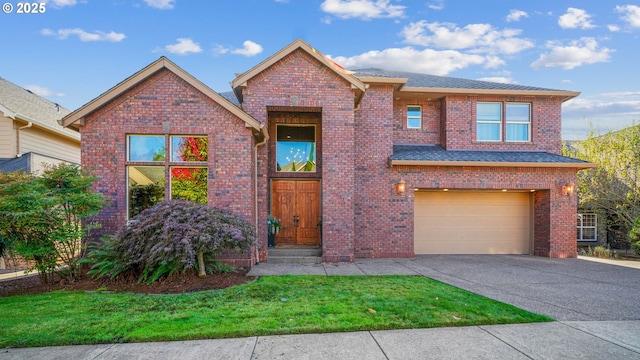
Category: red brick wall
<point>380,230</point>
<point>553,213</point>
<point>162,100</point>
<point>430,131</point>
<point>460,129</point>
<point>300,82</point>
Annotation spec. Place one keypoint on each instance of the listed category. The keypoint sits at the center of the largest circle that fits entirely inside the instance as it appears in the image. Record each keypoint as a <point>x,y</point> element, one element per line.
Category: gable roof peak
<point>76,118</point>
<point>241,80</point>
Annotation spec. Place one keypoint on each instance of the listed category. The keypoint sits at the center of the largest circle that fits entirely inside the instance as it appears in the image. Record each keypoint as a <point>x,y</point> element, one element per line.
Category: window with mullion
<point>152,170</point>
<point>414,117</point>
<point>489,121</point>
<point>587,227</point>
<point>518,122</point>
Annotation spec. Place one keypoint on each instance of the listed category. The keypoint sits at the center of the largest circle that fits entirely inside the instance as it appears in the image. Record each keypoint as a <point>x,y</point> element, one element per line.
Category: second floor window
<point>491,127</point>
<point>414,117</point>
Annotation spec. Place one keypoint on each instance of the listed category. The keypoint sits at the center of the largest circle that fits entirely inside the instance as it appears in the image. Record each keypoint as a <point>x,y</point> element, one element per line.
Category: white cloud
<point>493,62</point>
<point>575,18</point>
<point>579,52</point>
<point>516,15</point>
<point>427,61</point>
<point>183,46</point>
<point>613,28</point>
<point>362,9</point>
<point>61,3</point>
<point>481,38</point>
<point>606,112</point>
<point>249,48</point>
<point>631,14</point>
<point>498,79</point>
<point>436,5</point>
<point>84,35</point>
<point>42,91</point>
<point>160,4</point>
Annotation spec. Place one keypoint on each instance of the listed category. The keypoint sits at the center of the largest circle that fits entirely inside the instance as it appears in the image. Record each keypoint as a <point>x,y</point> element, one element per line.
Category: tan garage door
<point>458,222</point>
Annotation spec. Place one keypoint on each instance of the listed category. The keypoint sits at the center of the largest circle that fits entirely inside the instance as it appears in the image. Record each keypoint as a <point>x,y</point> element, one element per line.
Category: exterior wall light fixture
<point>401,188</point>
<point>567,190</point>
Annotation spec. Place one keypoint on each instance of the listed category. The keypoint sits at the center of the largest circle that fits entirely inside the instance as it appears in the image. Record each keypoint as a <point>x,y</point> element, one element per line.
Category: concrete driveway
<point>565,289</point>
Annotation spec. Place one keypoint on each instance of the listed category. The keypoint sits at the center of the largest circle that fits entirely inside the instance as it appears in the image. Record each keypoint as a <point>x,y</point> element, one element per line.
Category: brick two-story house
<point>365,163</point>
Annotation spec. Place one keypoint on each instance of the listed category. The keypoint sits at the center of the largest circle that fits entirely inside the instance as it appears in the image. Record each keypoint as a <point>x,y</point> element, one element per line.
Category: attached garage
<point>472,222</point>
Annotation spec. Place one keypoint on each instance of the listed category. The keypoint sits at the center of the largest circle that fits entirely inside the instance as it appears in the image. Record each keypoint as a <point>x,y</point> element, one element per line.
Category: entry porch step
<point>294,256</point>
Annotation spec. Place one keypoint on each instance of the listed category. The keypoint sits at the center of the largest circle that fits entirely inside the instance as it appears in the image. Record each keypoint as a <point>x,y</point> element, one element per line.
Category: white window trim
<point>528,123</point>
<point>581,227</point>
<point>419,118</point>
<point>490,122</point>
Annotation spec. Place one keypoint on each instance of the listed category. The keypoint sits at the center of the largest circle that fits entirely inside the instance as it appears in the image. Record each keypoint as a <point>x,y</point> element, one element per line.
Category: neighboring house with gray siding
<point>30,135</point>
<point>29,131</point>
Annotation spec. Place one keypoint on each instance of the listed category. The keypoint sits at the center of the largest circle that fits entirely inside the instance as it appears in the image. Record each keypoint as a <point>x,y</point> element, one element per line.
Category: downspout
<point>18,152</point>
<point>255,188</point>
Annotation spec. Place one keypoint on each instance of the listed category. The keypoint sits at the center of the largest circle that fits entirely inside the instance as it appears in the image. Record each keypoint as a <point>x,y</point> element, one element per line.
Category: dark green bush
<point>167,238</point>
<point>634,236</point>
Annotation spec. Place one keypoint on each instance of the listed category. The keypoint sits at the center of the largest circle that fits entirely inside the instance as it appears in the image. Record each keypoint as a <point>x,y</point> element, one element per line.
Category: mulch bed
<point>176,284</point>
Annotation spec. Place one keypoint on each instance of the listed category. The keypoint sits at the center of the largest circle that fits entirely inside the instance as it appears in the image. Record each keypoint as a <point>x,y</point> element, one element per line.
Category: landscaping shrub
<point>601,252</point>
<point>43,219</point>
<point>172,236</point>
<point>634,236</point>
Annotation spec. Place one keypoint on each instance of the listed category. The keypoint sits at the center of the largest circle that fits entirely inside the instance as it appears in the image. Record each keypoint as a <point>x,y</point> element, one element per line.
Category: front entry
<point>296,203</point>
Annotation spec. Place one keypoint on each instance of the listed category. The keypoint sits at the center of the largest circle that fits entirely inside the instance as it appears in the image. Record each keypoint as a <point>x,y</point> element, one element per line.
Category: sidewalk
<point>558,340</point>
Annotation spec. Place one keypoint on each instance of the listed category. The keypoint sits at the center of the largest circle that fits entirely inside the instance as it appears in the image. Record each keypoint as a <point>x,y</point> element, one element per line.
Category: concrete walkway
<point>558,340</point>
<point>596,305</point>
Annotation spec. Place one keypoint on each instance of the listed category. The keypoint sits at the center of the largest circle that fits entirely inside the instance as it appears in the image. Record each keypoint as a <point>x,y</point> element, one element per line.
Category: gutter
<point>29,124</point>
<point>255,186</point>
<point>492,164</point>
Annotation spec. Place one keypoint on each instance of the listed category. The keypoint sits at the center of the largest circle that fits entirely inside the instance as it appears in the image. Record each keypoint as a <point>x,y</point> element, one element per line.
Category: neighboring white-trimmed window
<point>152,170</point>
<point>518,122</point>
<point>587,227</point>
<point>414,117</point>
<point>489,121</point>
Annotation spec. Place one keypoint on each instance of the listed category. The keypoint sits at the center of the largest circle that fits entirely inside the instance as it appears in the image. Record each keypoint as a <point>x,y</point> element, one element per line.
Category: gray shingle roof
<point>436,153</point>
<point>231,96</point>
<point>433,81</point>
<point>42,111</point>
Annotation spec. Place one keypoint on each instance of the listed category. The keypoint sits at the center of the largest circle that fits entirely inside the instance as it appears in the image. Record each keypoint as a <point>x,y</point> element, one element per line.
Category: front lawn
<point>268,306</point>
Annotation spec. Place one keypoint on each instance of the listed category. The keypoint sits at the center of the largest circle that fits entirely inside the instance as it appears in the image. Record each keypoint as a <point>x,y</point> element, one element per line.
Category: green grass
<point>268,306</point>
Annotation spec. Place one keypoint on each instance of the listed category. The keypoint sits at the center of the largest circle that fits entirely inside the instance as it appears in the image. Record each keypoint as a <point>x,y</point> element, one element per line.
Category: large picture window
<point>295,148</point>
<point>153,173</point>
<point>490,125</point>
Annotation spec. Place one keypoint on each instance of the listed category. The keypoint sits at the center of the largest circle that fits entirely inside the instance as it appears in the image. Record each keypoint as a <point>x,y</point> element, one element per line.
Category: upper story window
<point>490,126</point>
<point>295,148</point>
<point>414,117</point>
<point>152,171</point>
<point>518,122</point>
<point>489,121</point>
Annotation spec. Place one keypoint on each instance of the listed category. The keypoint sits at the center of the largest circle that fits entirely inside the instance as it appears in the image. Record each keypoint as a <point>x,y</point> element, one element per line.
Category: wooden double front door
<point>296,203</point>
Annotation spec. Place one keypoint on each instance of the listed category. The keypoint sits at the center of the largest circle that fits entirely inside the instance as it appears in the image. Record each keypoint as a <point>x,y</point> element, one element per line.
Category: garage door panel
<point>472,223</point>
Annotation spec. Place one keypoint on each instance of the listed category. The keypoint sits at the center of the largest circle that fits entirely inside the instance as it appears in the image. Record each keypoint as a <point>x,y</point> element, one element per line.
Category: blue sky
<point>77,49</point>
